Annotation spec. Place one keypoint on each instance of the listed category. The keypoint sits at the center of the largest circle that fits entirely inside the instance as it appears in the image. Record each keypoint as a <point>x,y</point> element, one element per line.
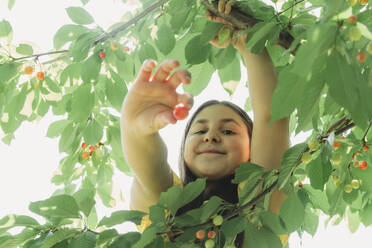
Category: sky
<point>27,166</point>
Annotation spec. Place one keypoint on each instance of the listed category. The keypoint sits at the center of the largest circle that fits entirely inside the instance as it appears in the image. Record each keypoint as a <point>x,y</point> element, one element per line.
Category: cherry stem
<point>366,132</point>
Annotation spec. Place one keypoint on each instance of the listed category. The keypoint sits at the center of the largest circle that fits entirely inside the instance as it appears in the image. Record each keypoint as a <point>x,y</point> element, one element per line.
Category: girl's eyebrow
<point>203,121</point>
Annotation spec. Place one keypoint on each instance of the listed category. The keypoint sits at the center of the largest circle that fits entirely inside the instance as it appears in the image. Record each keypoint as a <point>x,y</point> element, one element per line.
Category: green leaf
<point>318,198</point>
<point>273,222</point>
<point>66,33</point>
<point>261,32</point>
<point>80,47</point>
<point>210,208</point>
<point>5,29</point>
<point>58,236</point>
<point>260,238</point>
<point>63,206</point>
<point>115,92</point>
<point>106,236</point>
<point>12,220</point>
<point>234,226</point>
<point>93,133</point>
<point>165,41</point>
<point>91,69</point>
<point>196,52</point>
<point>126,240</point>
<point>52,85</point>
<point>311,221</point>
<point>286,94</point>
<point>147,51</point>
<point>122,216</point>
<point>289,162</point>
<point>366,215</point>
<point>292,212</point>
<point>175,197</point>
<point>15,241</point>
<point>339,76</point>
<point>67,138</point>
<point>11,4</point>
<point>82,103</point>
<point>8,71</point>
<point>231,72</point>
<point>85,200</point>
<point>319,173</point>
<point>55,129</point>
<point>224,57</point>
<point>85,240</point>
<point>247,171</point>
<point>79,15</point>
<point>210,31</point>
<point>202,73</point>
<point>353,220</point>
<point>24,49</point>
<point>146,238</point>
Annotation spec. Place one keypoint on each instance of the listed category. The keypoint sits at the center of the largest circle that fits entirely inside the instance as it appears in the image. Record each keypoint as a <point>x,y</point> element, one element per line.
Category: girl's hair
<point>224,189</point>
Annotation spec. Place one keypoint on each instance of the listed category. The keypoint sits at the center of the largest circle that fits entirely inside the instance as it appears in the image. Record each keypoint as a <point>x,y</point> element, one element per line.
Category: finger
<point>164,118</point>
<point>228,7</point>
<point>179,76</point>
<point>221,6</point>
<point>187,99</point>
<point>146,70</point>
<point>164,70</point>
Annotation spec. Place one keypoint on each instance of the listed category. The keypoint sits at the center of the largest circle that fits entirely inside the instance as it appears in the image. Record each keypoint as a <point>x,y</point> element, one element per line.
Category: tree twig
<point>366,132</point>
<point>39,55</point>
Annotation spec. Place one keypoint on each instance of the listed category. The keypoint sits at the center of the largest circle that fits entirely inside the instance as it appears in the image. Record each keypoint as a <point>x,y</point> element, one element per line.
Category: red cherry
<point>363,165</point>
<point>365,147</point>
<point>211,234</point>
<point>102,54</point>
<point>362,56</point>
<point>300,184</point>
<point>352,19</point>
<point>40,76</point>
<point>336,144</point>
<point>200,234</point>
<point>180,112</point>
<point>84,146</point>
<point>85,155</point>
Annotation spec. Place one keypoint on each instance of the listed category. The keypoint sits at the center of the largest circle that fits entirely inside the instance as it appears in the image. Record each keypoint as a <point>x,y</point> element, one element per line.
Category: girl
<point>218,137</point>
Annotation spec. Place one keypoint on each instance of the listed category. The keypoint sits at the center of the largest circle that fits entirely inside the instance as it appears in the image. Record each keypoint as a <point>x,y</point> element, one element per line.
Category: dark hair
<point>224,189</point>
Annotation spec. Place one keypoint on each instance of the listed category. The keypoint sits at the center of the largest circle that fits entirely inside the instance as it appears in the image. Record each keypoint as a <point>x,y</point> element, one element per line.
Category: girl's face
<point>216,143</point>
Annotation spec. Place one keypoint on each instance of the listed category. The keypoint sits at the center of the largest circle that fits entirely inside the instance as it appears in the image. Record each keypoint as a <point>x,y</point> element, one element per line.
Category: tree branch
<point>39,55</point>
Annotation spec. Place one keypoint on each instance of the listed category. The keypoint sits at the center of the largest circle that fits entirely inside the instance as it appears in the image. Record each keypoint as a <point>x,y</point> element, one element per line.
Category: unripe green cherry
<point>354,33</point>
<point>348,188</point>
<point>209,243</point>
<point>336,158</point>
<point>217,220</point>
<point>355,184</point>
<point>313,145</point>
<point>306,157</point>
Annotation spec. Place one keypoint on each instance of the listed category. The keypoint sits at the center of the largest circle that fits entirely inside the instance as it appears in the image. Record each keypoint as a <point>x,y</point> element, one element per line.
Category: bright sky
<point>27,165</point>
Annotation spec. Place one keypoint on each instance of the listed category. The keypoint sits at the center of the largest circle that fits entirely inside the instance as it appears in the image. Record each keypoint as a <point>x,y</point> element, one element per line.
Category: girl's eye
<point>228,132</point>
<point>200,132</point>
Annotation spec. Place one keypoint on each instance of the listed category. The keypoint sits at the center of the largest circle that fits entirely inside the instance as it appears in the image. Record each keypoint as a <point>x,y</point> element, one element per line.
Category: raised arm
<point>269,141</point>
<point>148,107</point>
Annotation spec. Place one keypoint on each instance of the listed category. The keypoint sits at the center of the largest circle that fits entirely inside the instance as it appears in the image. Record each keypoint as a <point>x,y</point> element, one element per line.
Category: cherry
<point>102,54</point>
<point>363,165</point>
<point>180,112</point>
<point>85,155</point>
<point>352,19</point>
<point>365,147</point>
<point>313,145</point>
<point>217,220</point>
<point>352,2</point>
<point>348,188</point>
<point>355,184</point>
<point>300,185</point>
<point>306,157</point>
<point>354,33</point>
<point>114,46</point>
<point>363,2</point>
<point>336,145</point>
<point>84,146</point>
<point>209,243</point>
<point>126,49</point>
<point>336,158</point>
<point>40,76</point>
<point>211,234</point>
<point>200,234</point>
<point>362,56</point>
<point>29,70</point>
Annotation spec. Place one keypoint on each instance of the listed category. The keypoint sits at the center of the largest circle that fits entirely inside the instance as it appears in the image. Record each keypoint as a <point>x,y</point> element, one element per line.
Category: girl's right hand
<point>149,103</point>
